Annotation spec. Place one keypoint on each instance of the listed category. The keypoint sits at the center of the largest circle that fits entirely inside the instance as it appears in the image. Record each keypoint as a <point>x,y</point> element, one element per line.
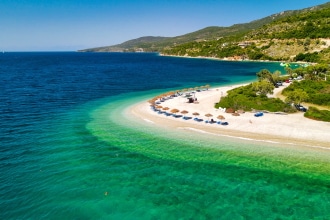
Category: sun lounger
<point>198,119</point>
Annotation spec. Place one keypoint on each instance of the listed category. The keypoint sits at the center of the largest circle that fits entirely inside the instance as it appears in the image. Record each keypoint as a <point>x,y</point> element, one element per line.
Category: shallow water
<point>70,151</point>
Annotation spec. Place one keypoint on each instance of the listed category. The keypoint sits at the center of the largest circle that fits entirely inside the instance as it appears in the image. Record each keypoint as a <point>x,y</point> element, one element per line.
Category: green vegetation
<point>297,96</point>
<point>308,24</point>
<point>308,57</point>
<point>316,114</point>
<point>287,36</point>
<point>246,98</point>
<point>319,72</point>
<point>273,78</point>
<point>263,87</point>
<point>295,37</point>
<point>316,92</point>
<point>313,89</point>
<point>300,35</point>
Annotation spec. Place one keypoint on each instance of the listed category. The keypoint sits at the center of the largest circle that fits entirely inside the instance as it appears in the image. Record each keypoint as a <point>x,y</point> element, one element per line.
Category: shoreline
<point>230,59</point>
<point>289,129</point>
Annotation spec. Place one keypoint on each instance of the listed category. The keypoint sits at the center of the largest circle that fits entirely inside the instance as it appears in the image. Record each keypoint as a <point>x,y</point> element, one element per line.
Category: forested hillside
<point>300,35</point>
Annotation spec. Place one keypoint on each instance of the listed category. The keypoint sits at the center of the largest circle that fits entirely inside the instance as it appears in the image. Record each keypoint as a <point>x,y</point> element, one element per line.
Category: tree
<point>297,96</point>
<point>267,75</point>
<point>276,76</point>
<point>317,72</point>
<point>289,71</point>
<point>263,87</point>
<point>263,74</point>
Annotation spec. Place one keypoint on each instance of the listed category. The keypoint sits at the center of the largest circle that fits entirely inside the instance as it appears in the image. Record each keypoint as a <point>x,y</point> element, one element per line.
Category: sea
<point>69,149</point>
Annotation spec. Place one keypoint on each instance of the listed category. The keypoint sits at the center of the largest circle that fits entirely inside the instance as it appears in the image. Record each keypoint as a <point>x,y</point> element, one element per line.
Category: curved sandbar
<point>292,129</point>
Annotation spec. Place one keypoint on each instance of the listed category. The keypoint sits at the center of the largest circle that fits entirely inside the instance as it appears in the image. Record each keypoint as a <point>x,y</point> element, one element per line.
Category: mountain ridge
<point>235,32</point>
<point>207,32</point>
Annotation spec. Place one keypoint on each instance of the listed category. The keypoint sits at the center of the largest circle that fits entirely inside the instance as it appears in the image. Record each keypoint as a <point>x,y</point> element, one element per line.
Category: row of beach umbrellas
<point>184,112</point>
<point>167,94</point>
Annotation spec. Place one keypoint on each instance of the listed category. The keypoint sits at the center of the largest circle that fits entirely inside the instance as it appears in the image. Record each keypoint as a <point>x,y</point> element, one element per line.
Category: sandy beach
<point>293,129</point>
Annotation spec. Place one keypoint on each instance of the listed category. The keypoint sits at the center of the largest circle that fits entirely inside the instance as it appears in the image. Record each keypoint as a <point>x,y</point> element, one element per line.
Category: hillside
<point>131,45</point>
<point>300,35</point>
<point>156,44</point>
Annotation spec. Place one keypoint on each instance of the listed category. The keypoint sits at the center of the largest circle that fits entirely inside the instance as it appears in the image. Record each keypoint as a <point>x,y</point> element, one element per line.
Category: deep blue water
<point>64,155</point>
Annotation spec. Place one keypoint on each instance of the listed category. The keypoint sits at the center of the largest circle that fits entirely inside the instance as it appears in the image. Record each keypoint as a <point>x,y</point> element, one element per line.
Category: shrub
<point>316,114</point>
<point>245,98</point>
<point>318,91</point>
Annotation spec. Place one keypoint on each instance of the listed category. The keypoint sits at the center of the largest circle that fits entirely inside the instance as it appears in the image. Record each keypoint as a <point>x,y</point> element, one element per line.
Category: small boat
<point>285,64</point>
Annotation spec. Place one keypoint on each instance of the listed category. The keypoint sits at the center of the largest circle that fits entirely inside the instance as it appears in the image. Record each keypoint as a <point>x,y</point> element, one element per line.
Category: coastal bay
<point>79,140</point>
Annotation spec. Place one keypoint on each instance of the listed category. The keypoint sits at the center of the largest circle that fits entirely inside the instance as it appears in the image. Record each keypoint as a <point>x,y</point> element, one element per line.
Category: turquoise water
<point>69,150</point>
<point>224,178</point>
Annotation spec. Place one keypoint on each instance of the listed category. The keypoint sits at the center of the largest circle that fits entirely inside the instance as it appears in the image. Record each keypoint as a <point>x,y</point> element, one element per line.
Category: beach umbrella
<point>166,94</point>
<point>157,98</point>
<point>175,110</point>
<point>152,101</point>
<point>208,115</point>
<point>184,112</point>
<point>230,110</point>
<point>165,110</point>
<point>195,113</point>
<point>220,117</point>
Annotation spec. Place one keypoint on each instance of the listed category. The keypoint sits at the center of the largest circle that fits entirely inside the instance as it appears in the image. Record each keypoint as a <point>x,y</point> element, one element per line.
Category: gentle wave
<point>149,121</point>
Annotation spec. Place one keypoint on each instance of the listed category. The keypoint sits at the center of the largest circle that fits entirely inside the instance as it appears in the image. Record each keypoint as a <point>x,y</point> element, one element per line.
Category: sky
<point>70,25</point>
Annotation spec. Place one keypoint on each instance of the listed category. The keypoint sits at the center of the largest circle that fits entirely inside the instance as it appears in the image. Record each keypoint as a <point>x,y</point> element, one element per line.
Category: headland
<point>289,129</point>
